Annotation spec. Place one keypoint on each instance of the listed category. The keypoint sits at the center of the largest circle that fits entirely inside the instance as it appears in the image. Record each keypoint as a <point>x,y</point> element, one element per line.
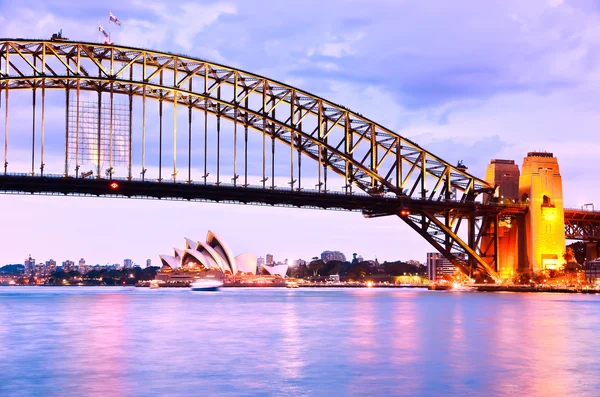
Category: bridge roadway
<point>369,205</point>
<point>579,224</point>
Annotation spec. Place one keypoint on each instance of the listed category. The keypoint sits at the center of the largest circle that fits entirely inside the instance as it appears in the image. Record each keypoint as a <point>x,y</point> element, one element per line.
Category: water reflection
<point>139,342</point>
<point>290,360</point>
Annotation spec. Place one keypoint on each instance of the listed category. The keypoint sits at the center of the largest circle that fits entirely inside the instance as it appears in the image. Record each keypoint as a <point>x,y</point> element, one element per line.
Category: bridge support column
<point>591,250</point>
<point>507,246</point>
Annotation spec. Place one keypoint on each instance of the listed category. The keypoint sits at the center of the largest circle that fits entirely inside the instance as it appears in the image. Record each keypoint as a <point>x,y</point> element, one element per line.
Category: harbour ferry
<point>206,284</point>
<point>440,285</point>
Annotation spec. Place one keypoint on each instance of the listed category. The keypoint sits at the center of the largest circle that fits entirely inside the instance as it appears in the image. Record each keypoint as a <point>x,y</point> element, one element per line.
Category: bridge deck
<point>369,205</point>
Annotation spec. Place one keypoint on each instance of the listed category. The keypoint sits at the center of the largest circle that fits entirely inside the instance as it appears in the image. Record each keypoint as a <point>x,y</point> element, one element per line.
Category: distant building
<point>148,262</point>
<point>259,262</point>
<point>299,262</point>
<point>82,268</point>
<point>68,266</point>
<point>40,270</point>
<point>270,261</point>
<point>127,264</point>
<point>50,267</point>
<point>327,256</point>
<point>438,266</point>
<point>29,266</point>
<point>592,271</point>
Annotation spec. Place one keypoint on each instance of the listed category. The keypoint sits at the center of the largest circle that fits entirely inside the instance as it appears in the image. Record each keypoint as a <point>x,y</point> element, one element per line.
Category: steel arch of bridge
<point>367,155</point>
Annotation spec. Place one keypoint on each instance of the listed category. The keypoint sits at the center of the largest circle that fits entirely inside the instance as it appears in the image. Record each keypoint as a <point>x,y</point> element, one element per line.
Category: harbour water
<point>296,342</point>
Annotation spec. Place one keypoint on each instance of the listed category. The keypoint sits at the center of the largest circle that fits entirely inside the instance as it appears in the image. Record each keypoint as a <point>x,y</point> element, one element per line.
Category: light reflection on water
<point>141,342</point>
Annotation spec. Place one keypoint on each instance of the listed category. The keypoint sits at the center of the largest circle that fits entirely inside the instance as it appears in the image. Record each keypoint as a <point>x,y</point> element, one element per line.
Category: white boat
<point>291,284</point>
<point>154,284</point>
<point>206,284</point>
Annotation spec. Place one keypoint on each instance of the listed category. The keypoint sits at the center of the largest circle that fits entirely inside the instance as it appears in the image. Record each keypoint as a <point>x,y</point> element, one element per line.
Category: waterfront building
<point>148,262</point>
<point>327,256</point>
<point>212,258</point>
<point>39,270</point>
<point>439,266</point>
<point>127,264</point>
<point>50,267</point>
<point>29,266</point>
<point>68,266</point>
<point>592,271</point>
<point>270,261</point>
<point>82,268</point>
<point>259,262</point>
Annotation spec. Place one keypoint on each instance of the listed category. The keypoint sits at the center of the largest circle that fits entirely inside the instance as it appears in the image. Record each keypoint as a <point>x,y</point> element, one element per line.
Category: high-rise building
<point>127,264</point>
<point>270,261</point>
<point>327,256</point>
<point>259,262</point>
<point>39,270</point>
<point>438,265</point>
<point>82,268</point>
<point>50,267</point>
<point>29,266</point>
<point>148,262</point>
<point>68,266</point>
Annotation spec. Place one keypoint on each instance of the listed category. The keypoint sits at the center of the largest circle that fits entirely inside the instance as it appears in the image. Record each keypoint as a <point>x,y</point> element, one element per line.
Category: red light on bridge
<point>404,212</point>
<point>114,186</point>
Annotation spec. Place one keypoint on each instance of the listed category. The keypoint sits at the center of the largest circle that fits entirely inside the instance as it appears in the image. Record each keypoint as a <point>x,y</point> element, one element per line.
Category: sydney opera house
<point>213,258</point>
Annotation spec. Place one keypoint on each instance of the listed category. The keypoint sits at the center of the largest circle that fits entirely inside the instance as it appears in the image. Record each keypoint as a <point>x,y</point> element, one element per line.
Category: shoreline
<point>475,288</point>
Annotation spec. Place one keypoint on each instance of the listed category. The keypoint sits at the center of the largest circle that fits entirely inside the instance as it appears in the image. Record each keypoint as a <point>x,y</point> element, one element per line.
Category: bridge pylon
<point>540,187</point>
<point>532,242</point>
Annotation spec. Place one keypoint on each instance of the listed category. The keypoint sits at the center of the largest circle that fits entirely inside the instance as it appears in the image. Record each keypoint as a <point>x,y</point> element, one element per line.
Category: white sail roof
<point>246,263</point>
<point>198,256</point>
<point>218,245</point>
<point>277,270</point>
<point>213,256</point>
<point>169,261</point>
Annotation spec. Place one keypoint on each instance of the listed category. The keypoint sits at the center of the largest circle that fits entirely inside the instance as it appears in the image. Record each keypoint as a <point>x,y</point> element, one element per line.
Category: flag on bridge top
<point>113,18</point>
<point>101,30</point>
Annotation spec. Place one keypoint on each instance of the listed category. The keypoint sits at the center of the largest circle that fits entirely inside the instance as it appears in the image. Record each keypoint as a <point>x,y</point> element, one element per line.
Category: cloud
<point>337,47</point>
<point>185,21</point>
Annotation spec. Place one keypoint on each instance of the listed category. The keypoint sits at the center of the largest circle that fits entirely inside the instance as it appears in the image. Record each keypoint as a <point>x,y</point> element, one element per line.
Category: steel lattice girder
<point>366,154</point>
<point>582,225</point>
<point>134,71</point>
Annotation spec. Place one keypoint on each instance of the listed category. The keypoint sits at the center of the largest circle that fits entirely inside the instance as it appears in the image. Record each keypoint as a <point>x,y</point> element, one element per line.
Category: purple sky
<point>467,80</point>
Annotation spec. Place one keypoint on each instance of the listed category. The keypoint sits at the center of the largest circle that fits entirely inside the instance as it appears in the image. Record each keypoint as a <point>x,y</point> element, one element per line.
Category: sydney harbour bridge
<point>93,119</point>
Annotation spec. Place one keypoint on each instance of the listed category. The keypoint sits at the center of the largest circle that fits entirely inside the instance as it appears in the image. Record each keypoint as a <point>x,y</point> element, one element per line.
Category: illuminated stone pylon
<point>540,187</point>
<point>511,256</point>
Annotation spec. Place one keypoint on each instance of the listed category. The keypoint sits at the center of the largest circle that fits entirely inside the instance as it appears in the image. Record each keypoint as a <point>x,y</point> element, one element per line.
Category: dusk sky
<point>467,80</point>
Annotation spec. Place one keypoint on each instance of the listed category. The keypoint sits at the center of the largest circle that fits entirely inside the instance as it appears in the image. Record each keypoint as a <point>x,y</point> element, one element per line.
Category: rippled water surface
<point>280,342</point>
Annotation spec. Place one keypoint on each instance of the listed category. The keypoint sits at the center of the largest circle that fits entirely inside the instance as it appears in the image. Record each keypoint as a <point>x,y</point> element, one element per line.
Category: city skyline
<point>473,104</point>
<point>325,256</point>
